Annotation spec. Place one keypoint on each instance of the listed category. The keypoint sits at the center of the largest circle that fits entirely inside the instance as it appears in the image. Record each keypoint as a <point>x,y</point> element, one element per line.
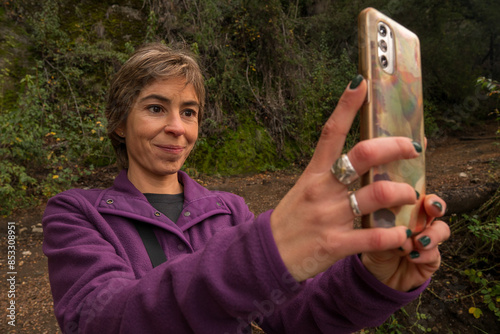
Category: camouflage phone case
<point>394,107</point>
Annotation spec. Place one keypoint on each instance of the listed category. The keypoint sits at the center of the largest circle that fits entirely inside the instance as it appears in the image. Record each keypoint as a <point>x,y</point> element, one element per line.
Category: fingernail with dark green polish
<point>417,146</point>
<point>438,205</point>
<point>401,249</point>
<point>418,194</point>
<point>414,254</point>
<point>356,81</point>
<point>408,233</point>
<point>425,240</point>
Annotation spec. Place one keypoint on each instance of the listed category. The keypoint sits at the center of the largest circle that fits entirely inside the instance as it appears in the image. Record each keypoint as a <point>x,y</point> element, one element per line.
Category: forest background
<point>274,72</point>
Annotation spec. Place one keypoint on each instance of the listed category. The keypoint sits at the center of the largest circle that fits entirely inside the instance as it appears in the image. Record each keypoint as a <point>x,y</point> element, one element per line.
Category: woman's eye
<point>155,109</point>
<point>189,113</point>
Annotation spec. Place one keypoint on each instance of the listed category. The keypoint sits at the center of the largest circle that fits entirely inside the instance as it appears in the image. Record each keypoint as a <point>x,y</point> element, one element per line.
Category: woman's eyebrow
<point>167,100</point>
<point>155,97</point>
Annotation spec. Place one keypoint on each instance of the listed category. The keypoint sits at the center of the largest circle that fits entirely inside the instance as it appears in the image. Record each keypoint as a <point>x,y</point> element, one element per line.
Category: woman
<point>295,269</point>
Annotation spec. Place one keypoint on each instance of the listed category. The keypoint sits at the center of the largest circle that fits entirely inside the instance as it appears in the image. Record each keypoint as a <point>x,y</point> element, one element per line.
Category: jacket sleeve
<point>217,289</point>
<point>344,299</point>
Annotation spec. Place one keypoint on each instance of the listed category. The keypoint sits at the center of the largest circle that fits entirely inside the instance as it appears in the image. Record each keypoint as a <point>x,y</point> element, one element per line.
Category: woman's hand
<point>313,225</point>
<point>418,258</point>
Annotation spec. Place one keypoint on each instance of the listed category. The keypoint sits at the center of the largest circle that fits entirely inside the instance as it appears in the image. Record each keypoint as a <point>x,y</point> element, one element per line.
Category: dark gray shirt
<point>170,205</point>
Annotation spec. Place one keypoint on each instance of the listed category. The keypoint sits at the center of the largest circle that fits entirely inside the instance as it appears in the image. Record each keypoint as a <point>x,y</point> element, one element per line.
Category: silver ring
<point>354,205</point>
<point>343,170</point>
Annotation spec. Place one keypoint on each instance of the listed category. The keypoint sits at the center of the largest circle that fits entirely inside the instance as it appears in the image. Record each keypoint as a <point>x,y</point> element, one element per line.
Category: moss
<point>248,149</point>
<point>93,20</point>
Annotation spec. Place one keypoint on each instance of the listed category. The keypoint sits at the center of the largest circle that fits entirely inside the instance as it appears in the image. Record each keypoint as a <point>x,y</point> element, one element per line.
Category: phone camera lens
<point>384,61</point>
<point>383,46</point>
<point>382,30</point>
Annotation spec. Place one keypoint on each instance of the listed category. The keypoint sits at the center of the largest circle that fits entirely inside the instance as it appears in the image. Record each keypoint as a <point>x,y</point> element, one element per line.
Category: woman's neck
<point>155,184</point>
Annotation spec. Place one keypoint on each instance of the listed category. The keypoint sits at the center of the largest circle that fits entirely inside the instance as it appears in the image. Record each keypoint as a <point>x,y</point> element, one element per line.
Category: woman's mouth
<point>172,149</point>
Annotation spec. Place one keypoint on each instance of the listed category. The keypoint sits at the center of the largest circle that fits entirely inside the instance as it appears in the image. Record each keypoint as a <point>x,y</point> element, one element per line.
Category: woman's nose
<point>174,125</point>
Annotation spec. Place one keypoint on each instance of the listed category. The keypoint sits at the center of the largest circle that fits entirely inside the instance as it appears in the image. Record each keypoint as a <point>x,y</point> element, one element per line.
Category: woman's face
<point>161,128</point>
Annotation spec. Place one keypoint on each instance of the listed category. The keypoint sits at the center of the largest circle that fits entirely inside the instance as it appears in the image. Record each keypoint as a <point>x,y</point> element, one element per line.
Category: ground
<point>463,170</point>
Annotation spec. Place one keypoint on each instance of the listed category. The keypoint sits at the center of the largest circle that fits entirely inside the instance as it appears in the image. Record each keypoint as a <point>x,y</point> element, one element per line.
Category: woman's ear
<point>120,131</point>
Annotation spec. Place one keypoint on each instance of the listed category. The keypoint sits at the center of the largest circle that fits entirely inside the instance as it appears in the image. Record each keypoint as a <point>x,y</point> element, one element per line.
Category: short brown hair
<point>147,64</point>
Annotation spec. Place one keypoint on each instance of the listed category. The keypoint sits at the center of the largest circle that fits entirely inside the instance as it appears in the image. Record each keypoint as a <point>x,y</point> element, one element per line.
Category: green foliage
<point>40,138</point>
<point>430,125</point>
<point>484,226</point>
<point>447,30</point>
<point>489,290</point>
<point>318,97</point>
<point>391,326</point>
<point>403,322</point>
<point>481,234</point>
<point>492,89</point>
<point>488,235</point>
<point>422,328</point>
<point>13,62</point>
<point>14,186</point>
<point>490,85</point>
<point>487,232</point>
<point>54,131</point>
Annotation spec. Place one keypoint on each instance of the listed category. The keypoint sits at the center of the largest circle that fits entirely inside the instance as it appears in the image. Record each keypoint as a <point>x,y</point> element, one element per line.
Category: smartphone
<point>389,59</point>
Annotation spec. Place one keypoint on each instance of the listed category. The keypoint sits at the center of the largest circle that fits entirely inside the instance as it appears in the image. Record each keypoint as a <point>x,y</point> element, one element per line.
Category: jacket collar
<point>124,199</point>
<point>192,189</point>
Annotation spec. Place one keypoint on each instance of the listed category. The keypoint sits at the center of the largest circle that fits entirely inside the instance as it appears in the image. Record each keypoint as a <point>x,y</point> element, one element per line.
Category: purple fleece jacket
<point>223,270</point>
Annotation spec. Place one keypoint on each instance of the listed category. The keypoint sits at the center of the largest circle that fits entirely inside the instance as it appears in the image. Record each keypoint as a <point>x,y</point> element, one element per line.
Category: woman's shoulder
<point>80,192</point>
<point>193,191</point>
<point>75,199</point>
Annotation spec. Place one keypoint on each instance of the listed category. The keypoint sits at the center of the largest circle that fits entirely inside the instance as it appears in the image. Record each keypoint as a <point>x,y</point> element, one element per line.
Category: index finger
<point>337,127</point>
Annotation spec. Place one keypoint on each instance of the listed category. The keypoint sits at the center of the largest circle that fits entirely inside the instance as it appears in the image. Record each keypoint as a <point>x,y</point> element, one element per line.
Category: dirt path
<point>464,173</point>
